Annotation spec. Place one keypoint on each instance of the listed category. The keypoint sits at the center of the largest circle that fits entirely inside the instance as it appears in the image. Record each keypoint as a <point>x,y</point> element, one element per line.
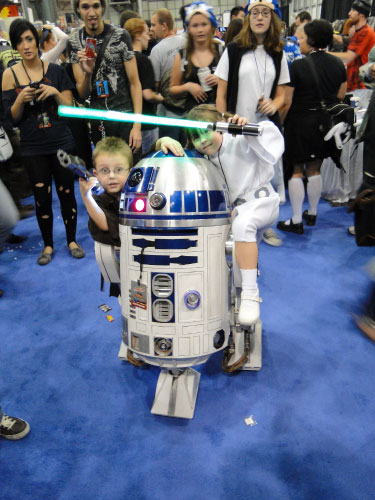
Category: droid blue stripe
<point>189,199</point>
<point>175,202</point>
<point>154,174</point>
<point>175,244</point>
<point>217,201</point>
<point>165,232</point>
<point>202,201</point>
<point>165,260</point>
<point>174,217</point>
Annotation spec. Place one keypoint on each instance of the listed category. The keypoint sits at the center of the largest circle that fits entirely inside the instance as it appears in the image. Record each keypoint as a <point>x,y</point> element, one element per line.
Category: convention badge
<point>138,295</point>
<point>43,120</point>
<point>102,88</point>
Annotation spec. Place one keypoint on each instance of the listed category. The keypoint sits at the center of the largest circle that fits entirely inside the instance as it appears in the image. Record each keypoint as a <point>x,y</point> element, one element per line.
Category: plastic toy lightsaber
<point>118,116</point>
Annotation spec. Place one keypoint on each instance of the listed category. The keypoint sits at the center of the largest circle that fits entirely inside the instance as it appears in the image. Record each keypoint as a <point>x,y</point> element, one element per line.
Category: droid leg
<point>176,393</point>
<point>244,351</point>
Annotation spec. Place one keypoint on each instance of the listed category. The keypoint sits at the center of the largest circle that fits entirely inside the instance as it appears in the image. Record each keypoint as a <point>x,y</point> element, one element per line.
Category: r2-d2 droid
<point>178,296</point>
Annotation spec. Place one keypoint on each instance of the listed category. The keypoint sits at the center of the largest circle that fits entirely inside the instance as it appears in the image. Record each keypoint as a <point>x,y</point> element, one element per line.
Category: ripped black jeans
<point>41,170</point>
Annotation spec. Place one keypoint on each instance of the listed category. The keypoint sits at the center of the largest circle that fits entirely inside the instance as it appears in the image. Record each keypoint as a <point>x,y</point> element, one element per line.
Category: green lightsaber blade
<point>118,116</point>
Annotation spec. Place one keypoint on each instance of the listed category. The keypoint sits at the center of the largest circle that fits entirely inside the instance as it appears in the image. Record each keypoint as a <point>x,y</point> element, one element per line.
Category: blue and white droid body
<point>174,223</point>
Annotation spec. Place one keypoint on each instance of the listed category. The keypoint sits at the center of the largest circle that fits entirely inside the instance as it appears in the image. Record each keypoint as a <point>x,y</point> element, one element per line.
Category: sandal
<point>77,253</point>
<point>44,258</point>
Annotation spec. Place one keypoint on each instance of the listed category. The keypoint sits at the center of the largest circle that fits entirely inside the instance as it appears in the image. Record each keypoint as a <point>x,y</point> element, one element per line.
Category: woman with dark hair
<point>234,28</point>
<point>253,69</point>
<point>32,90</point>
<point>193,67</point>
<point>304,140</point>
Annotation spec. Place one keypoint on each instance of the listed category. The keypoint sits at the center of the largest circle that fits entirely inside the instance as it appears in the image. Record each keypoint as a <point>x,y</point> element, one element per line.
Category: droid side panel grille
<point>162,297</point>
<point>162,310</point>
<point>162,285</point>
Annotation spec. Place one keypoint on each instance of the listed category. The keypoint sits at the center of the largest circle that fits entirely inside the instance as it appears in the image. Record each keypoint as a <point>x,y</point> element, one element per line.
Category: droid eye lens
<point>135,178</point>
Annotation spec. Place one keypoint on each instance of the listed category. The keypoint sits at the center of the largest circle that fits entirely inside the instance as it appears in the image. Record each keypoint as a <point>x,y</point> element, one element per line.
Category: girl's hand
<point>87,64</point>
<point>240,120</point>
<point>167,144</point>
<point>26,95</point>
<point>86,186</point>
<point>197,92</point>
<point>212,80</point>
<point>45,91</point>
<point>266,107</point>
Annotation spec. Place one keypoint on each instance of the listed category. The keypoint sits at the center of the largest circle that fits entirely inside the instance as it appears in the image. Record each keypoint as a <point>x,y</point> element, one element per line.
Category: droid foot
<point>249,308</point>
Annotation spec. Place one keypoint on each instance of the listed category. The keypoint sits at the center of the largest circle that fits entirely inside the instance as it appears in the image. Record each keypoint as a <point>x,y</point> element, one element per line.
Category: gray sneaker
<point>271,238</point>
<point>13,428</point>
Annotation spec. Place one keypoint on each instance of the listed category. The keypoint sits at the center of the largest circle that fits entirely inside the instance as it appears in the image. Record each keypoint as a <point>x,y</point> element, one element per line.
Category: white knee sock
<point>249,280</point>
<point>296,196</point>
<point>314,190</point>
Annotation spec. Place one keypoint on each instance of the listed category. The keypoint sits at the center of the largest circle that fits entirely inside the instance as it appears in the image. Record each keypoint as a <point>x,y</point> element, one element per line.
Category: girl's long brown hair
<point>272,42</point>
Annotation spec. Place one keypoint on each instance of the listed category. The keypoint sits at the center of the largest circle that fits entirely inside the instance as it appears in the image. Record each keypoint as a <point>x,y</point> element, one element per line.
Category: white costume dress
<point>247,164</point>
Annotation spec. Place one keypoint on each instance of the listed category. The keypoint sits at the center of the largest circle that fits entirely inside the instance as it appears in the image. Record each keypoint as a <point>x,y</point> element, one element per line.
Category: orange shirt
<point>361,43</point>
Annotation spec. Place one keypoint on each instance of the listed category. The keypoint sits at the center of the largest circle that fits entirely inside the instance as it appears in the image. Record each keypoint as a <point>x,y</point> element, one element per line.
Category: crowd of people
<point>261,73</point>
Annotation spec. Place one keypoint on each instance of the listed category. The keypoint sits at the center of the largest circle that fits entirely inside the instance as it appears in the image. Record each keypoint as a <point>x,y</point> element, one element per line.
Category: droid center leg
<point>246,254</point>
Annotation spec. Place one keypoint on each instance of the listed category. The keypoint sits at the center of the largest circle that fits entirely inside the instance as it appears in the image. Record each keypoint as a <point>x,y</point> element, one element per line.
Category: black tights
<point>41,170</point>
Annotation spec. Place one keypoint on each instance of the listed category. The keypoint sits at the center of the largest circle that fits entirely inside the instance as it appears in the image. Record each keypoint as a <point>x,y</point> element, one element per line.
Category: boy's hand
<point>240,120</point>
<point>86,186</point>
<point>167,144</point>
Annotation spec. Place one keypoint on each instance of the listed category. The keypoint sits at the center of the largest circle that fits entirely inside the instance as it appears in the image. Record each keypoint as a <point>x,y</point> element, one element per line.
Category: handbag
<point>6,149</point>
<point>339,117</point>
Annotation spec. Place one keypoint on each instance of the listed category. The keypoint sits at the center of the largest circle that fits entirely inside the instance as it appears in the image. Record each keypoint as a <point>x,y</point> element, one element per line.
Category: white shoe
<point>271,238</point>
<point>249,309</point>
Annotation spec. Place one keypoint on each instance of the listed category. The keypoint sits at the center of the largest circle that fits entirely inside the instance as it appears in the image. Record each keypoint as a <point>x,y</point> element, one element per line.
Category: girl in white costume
<point>247,165</point>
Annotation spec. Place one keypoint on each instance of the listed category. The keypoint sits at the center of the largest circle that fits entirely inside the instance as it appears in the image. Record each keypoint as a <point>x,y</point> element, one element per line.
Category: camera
<point>34,85</point>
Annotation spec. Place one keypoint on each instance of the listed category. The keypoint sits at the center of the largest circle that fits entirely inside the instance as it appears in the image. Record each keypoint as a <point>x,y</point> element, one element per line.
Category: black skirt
<point>304,138</point>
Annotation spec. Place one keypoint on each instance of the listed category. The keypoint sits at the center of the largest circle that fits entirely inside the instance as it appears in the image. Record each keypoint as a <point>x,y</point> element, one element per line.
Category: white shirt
<point>247,161</point>
<point>163,54</point>
<point>52,56</point>
<point>255,79</point>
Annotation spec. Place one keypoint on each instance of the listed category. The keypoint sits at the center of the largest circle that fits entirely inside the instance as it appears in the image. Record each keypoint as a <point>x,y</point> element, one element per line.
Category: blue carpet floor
<point>92,434</point>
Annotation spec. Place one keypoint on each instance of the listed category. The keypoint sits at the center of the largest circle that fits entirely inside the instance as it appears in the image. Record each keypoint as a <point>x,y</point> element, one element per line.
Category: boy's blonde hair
<point>113,146</point>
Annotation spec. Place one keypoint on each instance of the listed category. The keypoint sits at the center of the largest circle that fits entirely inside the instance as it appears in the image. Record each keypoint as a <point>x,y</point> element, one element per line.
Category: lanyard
<point>265,71</point>
<point>27,74</point>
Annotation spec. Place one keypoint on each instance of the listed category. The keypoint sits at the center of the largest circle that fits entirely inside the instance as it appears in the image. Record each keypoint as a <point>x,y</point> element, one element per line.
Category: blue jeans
<point>9,215</point>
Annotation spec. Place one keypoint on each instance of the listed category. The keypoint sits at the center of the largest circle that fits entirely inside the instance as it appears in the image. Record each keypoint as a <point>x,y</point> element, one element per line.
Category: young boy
<point>112,160</point>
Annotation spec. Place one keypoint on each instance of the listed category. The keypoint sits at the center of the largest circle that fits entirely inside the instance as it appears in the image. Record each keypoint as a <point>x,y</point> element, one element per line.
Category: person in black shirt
<point>32,91</point>
<point>139,32</point>
<point>304,141</point>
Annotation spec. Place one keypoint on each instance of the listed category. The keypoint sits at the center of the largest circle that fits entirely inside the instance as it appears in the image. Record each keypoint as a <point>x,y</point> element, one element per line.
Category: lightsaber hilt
<point>235,129</point>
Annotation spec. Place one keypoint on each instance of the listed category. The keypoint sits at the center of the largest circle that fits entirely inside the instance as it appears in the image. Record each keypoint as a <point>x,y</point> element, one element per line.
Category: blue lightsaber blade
<point>101,114</point>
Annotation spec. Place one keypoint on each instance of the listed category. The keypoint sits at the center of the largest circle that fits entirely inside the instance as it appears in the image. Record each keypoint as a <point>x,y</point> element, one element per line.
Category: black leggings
<point>41,170</point>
